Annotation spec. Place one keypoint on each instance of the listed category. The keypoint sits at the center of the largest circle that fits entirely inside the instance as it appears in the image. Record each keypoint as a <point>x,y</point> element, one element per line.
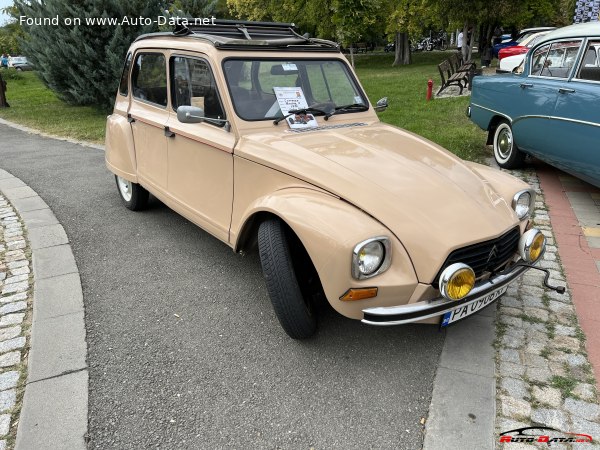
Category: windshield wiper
<point>300,111</point>
<point>352,107</point>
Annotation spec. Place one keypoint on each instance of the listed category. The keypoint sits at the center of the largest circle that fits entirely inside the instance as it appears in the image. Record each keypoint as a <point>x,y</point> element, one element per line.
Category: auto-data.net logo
<point>544,435</point>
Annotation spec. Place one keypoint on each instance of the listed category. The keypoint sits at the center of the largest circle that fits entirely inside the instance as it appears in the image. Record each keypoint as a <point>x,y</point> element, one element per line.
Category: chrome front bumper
<point>398,315</point>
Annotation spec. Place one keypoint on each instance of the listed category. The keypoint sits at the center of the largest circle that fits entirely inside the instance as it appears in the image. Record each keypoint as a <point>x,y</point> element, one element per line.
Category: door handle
<point>130,119</point>
<point>526,85</point>
<point>169,133</point>
<point>566,91</point>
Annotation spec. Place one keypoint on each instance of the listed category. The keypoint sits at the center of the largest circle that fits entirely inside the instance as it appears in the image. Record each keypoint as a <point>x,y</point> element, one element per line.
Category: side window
<point>538,59</point>
<point>149,78</point>
<point>560,59</point>
<point>590,65</point>
<point>124,86</point>
<point>193,84</point>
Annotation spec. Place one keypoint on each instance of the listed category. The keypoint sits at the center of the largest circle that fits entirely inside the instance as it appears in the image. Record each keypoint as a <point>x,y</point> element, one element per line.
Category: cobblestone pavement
<point>543,373</point>
<point>15,319</point>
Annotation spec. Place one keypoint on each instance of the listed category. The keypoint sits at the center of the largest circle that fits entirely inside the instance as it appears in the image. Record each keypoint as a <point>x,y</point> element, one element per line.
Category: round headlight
<point>522,202</point>
<point>456,281</point>
<point>371,257</point>
<point>532,245</point>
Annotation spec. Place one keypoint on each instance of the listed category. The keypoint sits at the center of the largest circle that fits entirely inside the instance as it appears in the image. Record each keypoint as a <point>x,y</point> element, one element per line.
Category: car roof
<point>243,35</point>
<point>531,37</point>
<point>577,30</point>
<point>529,30</point>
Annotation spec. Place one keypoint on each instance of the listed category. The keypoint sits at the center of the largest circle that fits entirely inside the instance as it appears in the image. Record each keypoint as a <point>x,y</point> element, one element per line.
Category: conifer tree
<point>82,63</point>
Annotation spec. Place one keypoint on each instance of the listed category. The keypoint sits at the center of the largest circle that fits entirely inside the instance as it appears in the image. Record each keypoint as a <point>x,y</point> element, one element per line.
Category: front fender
<point>503,183</point>
<point>120,149</point>
<point>329,228</point>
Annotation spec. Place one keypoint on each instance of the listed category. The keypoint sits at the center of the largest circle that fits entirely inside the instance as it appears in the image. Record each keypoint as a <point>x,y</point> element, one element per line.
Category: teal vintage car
<point>549,107</point>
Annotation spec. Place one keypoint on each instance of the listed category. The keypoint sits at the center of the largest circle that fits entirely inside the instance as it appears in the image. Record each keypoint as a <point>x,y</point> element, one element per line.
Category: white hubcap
<point>124,188</point>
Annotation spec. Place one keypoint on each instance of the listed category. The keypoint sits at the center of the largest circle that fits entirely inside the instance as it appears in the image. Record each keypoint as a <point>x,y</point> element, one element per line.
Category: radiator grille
<point>485,256</point>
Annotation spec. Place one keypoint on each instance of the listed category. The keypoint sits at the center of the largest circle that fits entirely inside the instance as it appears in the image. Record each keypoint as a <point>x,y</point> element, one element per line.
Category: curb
<point>462,413</point>
<point>55,404</point>
<point>52,136</point>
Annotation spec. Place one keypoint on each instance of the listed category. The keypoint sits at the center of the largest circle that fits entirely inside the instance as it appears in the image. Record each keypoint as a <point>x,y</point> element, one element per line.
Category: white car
<point>508,63</point>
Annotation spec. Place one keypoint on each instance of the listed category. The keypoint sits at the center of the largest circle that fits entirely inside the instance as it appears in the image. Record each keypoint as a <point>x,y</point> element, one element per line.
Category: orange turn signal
<point>359,294</point>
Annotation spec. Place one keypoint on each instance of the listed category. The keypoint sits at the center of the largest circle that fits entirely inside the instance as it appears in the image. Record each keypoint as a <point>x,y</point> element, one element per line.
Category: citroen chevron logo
<point>493,254</point>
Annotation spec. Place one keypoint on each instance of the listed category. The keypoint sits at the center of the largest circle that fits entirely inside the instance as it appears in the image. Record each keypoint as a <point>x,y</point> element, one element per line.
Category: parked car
<point>511,57</point>
<point>520,38</point>
<point>19,63</point>
<point>386,226</point>
<point>389,47</point>
<point>549,109</point>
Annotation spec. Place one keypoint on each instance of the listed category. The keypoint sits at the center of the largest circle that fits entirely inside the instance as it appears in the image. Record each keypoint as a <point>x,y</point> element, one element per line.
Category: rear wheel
<point>283,261</point>
<point>506,153</point>
<point>133,195</point>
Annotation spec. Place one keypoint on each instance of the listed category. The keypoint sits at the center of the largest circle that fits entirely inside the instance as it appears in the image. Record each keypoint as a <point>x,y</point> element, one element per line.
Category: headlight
<point>371,257</point>
<point>532,245</point>
<point>456,281</point>
<point>523,203</point>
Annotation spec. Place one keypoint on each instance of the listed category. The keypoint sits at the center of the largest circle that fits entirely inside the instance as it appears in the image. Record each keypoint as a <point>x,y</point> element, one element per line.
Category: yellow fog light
<point>532,245</point>
<point>456,281</point>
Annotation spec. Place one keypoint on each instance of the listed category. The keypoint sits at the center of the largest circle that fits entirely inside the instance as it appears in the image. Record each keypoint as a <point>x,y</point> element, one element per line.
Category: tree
<point>82,63</point>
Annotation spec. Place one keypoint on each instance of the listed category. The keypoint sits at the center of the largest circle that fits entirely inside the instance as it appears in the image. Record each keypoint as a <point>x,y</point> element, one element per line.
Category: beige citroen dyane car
<point>265,139</point>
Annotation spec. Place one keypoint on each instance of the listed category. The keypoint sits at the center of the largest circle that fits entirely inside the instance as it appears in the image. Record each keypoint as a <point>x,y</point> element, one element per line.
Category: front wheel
<point>443,46</point>
<point>506,153</point>
<point>293,308</point>
<point>133,195</point>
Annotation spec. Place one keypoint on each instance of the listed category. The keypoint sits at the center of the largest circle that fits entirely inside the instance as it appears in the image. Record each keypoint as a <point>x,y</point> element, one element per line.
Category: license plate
<point>465,311</point>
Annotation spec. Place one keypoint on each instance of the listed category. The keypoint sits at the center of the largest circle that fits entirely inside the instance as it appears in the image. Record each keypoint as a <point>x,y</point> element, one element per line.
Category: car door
<point>540,134</point>
<point>148,115</point>
<point>534,103</point>
<point>200,155</point>
<point>577,118</point>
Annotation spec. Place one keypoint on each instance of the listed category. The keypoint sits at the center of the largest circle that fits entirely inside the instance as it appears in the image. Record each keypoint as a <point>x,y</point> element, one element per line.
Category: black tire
<point>294,308</point>
<point>506,152</point>
<point>443,46</point>
<point>134,196</point>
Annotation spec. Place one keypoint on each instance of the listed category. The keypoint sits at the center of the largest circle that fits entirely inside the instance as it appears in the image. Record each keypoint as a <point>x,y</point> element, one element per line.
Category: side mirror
<point>381,104</point>
<point>193,114</point>
<point>190,114</point>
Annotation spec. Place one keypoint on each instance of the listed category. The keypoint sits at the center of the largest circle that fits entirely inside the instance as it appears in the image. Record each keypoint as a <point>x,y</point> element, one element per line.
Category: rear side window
<point>559,60</point>
<point>538,58</point>
<point>149,78</point>
<point>124,86</point>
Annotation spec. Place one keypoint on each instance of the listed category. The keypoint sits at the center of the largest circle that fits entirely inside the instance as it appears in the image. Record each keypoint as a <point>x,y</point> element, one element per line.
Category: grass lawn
<point>442,121</point>
<point>35,106</point>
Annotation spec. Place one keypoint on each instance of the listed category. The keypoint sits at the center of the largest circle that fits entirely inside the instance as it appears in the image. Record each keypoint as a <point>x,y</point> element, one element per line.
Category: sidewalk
<point>574,209</point>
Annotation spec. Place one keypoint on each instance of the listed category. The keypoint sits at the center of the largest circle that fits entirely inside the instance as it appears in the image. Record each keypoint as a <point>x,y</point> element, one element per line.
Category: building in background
<point>586,11</point>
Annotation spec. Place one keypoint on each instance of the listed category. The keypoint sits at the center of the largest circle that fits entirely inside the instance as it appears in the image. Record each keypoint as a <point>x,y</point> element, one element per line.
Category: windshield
<point>256,85</point>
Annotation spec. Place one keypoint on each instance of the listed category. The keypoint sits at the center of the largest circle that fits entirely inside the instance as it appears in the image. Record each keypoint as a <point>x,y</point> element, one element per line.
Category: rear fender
<point>120,149</point>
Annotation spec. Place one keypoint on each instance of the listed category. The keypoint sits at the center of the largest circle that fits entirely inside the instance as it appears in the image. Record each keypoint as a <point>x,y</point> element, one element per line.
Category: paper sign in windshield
<point>291,99</point>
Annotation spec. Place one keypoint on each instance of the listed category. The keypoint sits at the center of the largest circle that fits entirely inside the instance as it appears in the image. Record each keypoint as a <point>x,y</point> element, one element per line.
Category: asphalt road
<point>184,349</point>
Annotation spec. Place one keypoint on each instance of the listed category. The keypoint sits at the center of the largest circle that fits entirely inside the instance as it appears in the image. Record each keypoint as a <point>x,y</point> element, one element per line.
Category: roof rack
<point>244,35</point>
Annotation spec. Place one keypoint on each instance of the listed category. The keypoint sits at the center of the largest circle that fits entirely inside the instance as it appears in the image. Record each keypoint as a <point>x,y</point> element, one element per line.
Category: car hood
<point>429,198</point>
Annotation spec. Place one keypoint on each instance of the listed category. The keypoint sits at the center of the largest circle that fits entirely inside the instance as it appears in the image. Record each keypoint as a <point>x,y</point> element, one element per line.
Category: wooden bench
<point>361,47</point>
<point>458,64</point>
<point>450,77</point>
